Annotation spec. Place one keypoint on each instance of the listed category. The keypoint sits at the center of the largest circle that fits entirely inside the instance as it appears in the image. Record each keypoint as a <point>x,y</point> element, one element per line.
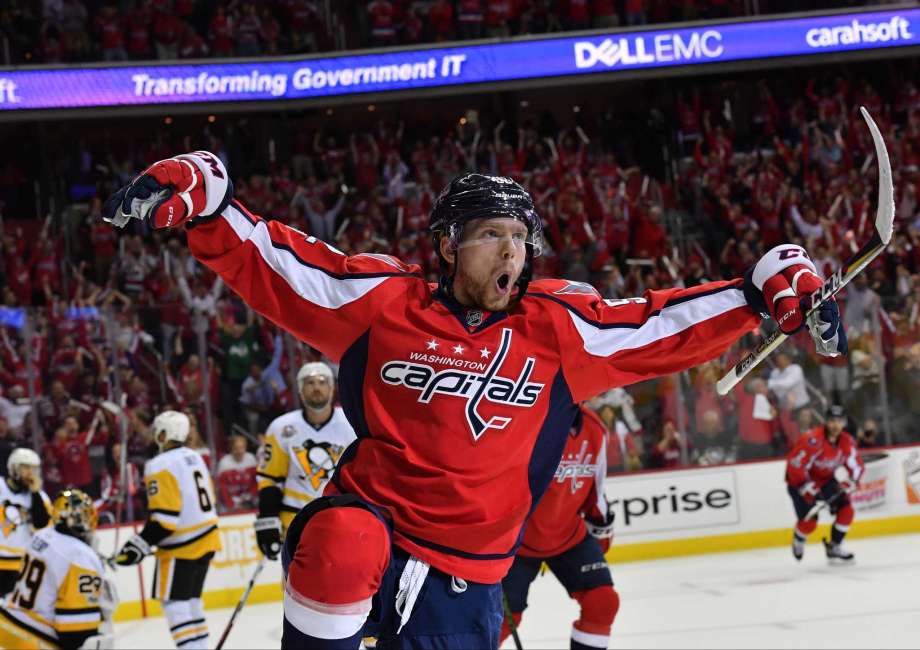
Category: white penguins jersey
<point>58,591</point>
<point>15,524</point>
<point>299,458</point>
<point>180,497</point>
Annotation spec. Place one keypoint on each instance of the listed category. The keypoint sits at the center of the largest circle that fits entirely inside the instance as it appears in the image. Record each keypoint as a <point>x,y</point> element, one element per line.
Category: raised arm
<point>609,343</point>
<point>305,286</point>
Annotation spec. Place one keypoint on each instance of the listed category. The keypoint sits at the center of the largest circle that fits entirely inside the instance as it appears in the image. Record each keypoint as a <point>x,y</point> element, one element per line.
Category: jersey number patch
<point>30,578</point>
<point>204,499</point>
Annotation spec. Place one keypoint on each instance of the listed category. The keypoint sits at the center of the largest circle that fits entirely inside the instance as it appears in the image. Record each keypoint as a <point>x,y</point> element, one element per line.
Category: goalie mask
<point>74,514</point>
<point>481,196</point>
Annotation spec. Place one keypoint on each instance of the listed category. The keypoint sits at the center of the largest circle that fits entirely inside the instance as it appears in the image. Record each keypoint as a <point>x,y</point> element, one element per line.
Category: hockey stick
<point>884,224</point>
<point>511,624</point>
<point>821,505</point>
<point>239,605</point>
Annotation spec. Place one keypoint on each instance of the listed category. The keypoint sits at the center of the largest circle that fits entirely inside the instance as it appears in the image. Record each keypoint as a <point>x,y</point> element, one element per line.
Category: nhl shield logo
<point>473,317</point>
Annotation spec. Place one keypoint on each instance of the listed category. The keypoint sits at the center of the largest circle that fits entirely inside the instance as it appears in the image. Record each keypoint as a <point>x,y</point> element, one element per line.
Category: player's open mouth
<point>503,283</point>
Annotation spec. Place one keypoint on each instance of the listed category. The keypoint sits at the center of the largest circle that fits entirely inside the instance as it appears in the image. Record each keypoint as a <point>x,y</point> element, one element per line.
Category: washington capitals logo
<point>575,468</point>
<point>471,384</point>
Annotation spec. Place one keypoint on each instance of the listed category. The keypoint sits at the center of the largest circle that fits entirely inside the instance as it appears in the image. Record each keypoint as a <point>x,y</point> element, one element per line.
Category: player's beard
<point>316,404</point>
<point>482,290</point>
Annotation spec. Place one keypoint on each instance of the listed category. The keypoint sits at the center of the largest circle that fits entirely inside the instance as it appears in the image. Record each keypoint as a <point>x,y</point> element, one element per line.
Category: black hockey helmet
<point>482,196</point>
<point>836,411</point>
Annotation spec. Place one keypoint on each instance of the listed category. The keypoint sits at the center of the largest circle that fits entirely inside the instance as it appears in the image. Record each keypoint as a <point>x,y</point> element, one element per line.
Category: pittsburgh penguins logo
<point>318,459</point>
<point>12,516</point>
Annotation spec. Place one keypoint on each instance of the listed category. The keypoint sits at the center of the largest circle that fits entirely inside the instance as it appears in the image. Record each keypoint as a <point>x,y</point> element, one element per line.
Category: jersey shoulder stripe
<point>604,339</point>
<point>584,305</point>
<point>316,284</point>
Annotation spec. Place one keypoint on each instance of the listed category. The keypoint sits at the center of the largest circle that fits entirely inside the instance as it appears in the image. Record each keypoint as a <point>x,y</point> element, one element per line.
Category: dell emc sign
<point>661,48</point>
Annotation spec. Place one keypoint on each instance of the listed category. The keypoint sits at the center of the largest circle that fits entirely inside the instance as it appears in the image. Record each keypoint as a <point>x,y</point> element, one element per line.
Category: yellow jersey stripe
<point>20,627</point>
<point>77,627</point>
<point>181,634</point>
<point>288,492</point>
<point>163,492</point>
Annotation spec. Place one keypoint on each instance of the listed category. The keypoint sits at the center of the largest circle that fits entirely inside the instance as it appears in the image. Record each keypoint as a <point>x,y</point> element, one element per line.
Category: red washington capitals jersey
<point>461,415</point>
<point>577,488</point>
<point>814,458</point>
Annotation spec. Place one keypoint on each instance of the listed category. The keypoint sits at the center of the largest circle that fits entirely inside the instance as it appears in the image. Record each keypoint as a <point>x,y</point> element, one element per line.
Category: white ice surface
<point>751,599</point>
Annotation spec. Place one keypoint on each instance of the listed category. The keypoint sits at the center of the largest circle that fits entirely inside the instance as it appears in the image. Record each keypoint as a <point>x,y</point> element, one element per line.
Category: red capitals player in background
<point>460,392</point>
<point>810,469</point>
<point>571,530</point>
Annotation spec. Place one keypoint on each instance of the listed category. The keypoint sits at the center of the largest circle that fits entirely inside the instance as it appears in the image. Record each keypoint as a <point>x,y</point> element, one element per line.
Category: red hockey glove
<point>172,192</point>
<point>809,491</point>
<point>848,485</point>
<point>780,285</point>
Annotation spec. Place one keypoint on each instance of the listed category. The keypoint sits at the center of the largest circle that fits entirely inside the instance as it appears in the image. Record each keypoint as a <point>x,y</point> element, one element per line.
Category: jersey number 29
<point>30,578</point>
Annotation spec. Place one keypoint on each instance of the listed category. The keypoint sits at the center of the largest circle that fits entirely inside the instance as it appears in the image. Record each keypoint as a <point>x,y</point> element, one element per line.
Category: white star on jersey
<point>458,349</point>
<point>432,344</point>
<point>484,353</point>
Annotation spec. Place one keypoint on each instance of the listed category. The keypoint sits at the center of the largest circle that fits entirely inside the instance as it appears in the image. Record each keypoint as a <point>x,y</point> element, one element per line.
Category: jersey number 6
<point>204,499</point>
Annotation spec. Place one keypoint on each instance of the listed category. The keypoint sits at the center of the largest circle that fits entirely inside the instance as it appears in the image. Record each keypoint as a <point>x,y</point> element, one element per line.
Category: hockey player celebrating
<point>810,474</point>
<point>25,509</point>
<point>182,525</point>
<point>301,450</point>
<point>571,530</point>
<point>59,600</point>
<point>460,393</point>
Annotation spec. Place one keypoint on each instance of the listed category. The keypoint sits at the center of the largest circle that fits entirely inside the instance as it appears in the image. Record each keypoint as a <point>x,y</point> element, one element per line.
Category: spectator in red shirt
<point>412,28</point>
<point>167,29</point>
<point>270,32</point>
<point>498,13</point>
<point>756,420</point>
<point>382,16</point>
<point>138,32</point>
<point>221,33</point>
<point>605,14</point>
<point>72,454</point>
<point>635,12</point>
<point>110,32</point>
<point>648,237</point>
<point>248,32</point>
<point>469,18</point>
<point>104,242</point>
<point>236,477</point>
<point>666,453</point>
<point>577,15</point>
<point>441,20</point>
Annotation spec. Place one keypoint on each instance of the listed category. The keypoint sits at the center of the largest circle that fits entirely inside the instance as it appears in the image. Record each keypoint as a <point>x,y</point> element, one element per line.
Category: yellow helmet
<point>74,513</point>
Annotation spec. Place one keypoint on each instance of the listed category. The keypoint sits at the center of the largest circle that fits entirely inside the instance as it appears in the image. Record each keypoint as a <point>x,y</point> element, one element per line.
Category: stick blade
<point>884,218</point>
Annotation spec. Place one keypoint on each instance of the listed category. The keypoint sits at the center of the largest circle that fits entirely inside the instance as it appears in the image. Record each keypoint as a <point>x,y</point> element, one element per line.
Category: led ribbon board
<point>272,80</point>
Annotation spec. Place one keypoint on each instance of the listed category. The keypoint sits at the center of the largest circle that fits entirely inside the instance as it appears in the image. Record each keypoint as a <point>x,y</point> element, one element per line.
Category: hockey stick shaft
<point>821,505</point>
<point>242,601</point>
<point>884,225</point>
<point>828,290</point>
<point>511,624</point>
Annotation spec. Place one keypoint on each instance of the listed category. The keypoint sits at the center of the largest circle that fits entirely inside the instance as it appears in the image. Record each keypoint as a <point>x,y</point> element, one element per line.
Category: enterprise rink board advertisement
<point>267,80</point>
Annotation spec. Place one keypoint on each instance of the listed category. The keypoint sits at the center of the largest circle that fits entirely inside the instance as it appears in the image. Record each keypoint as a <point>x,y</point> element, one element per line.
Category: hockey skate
<point>837,554</point>
<point>798,547</point>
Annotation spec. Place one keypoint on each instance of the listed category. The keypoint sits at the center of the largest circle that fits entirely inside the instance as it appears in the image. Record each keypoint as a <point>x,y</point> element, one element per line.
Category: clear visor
<point>496,238</point>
